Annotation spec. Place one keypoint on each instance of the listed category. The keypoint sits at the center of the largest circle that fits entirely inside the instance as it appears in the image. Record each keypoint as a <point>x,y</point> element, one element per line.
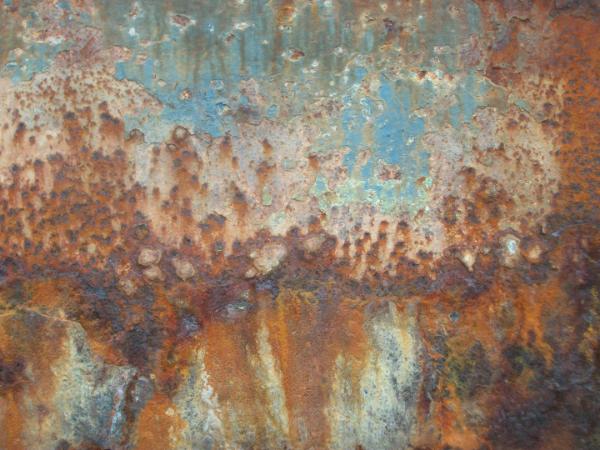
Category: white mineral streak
<point>198,406</point>
<point>378,412</point>
<point>270,381</point>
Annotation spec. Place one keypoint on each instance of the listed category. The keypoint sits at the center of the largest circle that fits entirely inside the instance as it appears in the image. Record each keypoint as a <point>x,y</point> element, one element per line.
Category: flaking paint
<point>299,224</point>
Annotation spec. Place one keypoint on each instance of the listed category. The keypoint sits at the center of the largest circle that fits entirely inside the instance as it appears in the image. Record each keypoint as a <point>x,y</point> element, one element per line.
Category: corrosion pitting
<point>345,225</point>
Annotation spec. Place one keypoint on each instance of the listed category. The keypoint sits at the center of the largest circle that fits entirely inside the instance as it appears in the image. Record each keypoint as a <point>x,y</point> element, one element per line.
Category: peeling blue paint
<point>194,65</point>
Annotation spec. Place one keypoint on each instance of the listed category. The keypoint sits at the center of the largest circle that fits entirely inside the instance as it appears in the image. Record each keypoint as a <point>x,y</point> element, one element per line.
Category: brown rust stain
<point>506,348</point>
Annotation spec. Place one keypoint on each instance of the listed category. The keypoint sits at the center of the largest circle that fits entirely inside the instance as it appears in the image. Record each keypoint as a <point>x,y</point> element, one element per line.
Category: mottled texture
<point>300,224</point>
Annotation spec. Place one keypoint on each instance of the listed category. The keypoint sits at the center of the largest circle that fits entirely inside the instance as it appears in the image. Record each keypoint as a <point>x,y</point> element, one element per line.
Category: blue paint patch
<point>321,185</point>
<point>38,59</point>
<point>64,5</point>
<point>352,123</point>
<point>273,111</point>
<point>396,132</point>
<point>469,94</point>
<point>473,17</point>
<point>120,70</point>
<point>397,129</point>
<point>148,73</point>
<point>359,73</point>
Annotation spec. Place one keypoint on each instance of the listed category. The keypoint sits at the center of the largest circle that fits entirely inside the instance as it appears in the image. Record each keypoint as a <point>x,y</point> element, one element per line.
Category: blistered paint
<point>299,224</point>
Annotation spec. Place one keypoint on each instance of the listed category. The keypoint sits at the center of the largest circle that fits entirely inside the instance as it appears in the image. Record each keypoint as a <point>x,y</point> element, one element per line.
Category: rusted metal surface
<point>299,224</point>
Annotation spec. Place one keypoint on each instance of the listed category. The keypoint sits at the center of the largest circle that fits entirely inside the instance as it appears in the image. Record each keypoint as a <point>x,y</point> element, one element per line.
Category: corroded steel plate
<point>309,224</point>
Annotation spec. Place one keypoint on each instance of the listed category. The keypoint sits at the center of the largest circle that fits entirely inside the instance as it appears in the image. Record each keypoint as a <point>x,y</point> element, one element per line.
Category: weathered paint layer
<point>299,224</point>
